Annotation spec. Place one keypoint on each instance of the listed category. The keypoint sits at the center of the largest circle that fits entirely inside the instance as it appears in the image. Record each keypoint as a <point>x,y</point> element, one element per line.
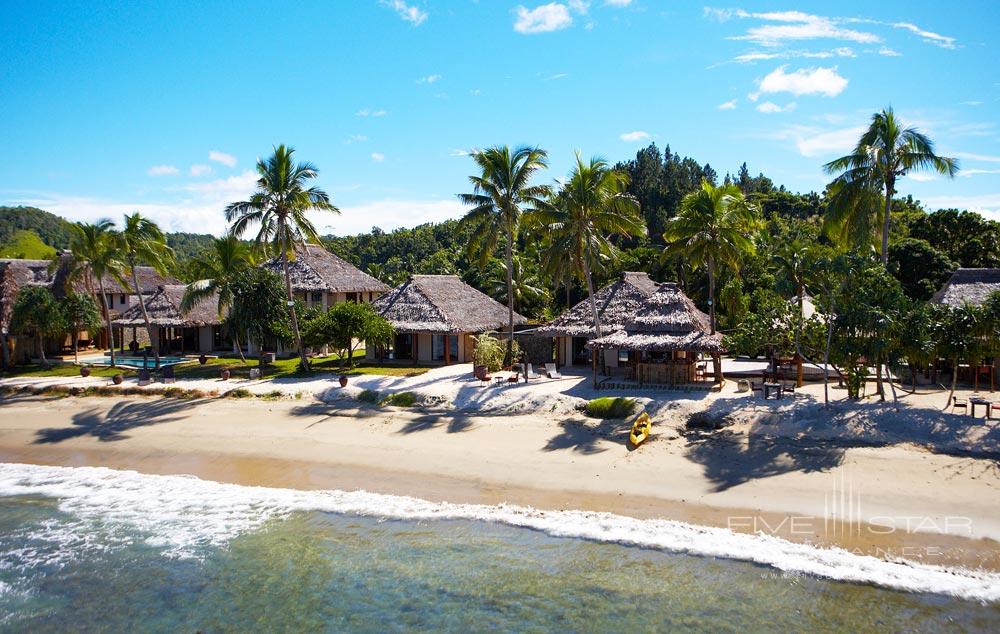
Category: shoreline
<point>524,460</point>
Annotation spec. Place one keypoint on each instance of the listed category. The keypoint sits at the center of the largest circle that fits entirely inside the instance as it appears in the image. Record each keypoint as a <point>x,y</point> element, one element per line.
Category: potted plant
<point>343,380</point>
<point>202,360</point>
<point>84,371</point>
<point>225,374</point>
<point>117,379</point>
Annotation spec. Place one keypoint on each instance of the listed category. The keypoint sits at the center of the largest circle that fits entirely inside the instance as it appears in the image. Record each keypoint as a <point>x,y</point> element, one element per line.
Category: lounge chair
<point>956,403</point>
<point>168,374</point>
<point>531,372</point>
<point>551,371</point>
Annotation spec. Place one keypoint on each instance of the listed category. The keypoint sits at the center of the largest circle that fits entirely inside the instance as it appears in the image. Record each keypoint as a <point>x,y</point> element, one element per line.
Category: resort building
<point>436,317</point>
<point>320,278</point>
<point>616,304</point>
<point>196,330</point>
<point>660,344</point>
<point>968,286</point>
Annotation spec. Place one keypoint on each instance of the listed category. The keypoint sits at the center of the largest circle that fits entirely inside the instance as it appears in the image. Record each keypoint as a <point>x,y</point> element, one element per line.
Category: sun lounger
<point>956,403</point>
<point>531,372</point>
<point>551,371</point>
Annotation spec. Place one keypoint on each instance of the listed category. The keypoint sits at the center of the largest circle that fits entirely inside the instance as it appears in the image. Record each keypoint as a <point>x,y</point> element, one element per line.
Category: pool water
<point>138,362</point>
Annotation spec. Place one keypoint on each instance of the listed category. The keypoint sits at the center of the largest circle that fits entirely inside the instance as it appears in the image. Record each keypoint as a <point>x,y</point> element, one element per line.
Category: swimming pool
<point>137,362</point>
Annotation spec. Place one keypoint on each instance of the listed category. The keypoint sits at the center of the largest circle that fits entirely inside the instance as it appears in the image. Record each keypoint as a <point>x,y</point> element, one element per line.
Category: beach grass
<point>611,407</point>
<point>68,369</point>
<point>400,399</point>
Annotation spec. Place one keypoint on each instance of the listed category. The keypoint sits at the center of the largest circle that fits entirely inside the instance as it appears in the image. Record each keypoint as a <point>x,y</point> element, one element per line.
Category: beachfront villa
<point>198,330</point>
<point>661,343</point>
<point>616,304</point>
<point>968,286</point>
<point>436,318</point>
<point>321,279</point>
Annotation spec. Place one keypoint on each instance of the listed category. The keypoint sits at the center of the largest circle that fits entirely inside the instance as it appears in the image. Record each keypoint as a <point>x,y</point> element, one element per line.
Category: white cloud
<point>635,135</point>
<point>578,6</point>
<point>617,3</point>
<point>977,157</point>
<point>429,79</point>
<point>231,188</point>
<point>388,214</point>
<point>885,51</point>
<point>460,152</point>
<point>378,157</point>
<point>221,157</point>
<point>411,14</point>
<point>974,172</point>
<point>805,81</point>
<point>986,204</point>
<point>555,76</point>
<point>928,36</point>
<point>727,105</point>
<point>475,92</point>
<point>369,112</point>
<point>355,138</point>
<point>783,26</point>
<point>162,170</point>
<point>825,143</point>
<point>769,107</point>
<point>199,169</point>
<point>757,56</point>
<point>922,177</point>
<point>542,19</point>
<point>970,103</point>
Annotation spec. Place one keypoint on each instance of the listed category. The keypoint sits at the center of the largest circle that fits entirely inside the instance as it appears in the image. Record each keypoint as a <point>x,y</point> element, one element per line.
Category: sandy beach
<point>889,501</point>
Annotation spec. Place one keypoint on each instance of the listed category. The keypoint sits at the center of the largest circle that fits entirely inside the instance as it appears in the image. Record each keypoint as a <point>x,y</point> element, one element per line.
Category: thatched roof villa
<point>970,286</point>
<point>436,316</point>
<point>196,330</point>
<point>616,304</point>
<point>320,278</point>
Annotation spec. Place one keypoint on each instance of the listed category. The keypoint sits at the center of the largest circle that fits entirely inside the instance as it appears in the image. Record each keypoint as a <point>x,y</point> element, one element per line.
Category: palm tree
<point>592,207</point>
<point>791,264</point>
<point>713,228</point>
<point>216,271</point>
<point>501,193</point>
<point>279,207</point>
<point>142,242</point>
<point>95,256</point>
<point>527,285</point>
<point>886,151</point>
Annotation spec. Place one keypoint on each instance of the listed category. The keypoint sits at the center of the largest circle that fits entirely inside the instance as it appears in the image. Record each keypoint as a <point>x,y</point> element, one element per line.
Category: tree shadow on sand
<point>583,437</point>
<point>122,417</point>
<point>454,423</point>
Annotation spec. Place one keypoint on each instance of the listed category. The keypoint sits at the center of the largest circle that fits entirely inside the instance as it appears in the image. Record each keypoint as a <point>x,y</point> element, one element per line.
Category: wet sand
<point>886,501</point>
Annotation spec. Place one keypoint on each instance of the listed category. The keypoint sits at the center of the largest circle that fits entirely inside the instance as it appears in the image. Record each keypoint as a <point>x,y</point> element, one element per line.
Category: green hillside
<point>50,228</point>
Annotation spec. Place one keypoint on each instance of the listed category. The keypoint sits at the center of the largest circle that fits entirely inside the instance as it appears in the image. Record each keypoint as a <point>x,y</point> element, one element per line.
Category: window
<point>317,297</point>
<point>123,299</point>
<point>622,356</point>
<point>352,297</point>
<point>109,300</point>
<point>402,347</point>
<point>437,347</point>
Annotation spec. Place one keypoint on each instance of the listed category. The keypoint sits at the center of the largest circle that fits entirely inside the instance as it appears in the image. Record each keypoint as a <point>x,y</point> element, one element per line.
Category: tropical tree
<point>278,207</point>
<point>37,314</point>
<point>502,192</point>
<point>95,256</point>
<point>886,151</point>
<point>141,241</point>
<point>257,306</point>
<point>791,264</point>
<point>713,228</point>
<point>592,207</point>
<point>215,271</point>
<point>526,283</point>
<point>79,313</point>
<point>960,334</point>
<point>346,326</point>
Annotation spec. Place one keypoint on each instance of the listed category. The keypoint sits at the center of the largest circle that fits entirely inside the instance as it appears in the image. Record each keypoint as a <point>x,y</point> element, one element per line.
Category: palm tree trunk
<point>107,320</point>
<point>590,293</point>
<point>76,348</point>
<point>239,348</point>
<point>826,357</point>
<point>41,349</point>
<point>509,359</point>
<point>145,317</point>
<point>303,361</point>
<point>954,380</point>
<point>711,292</point>
<point>885,222</point>
<point>799,374</point>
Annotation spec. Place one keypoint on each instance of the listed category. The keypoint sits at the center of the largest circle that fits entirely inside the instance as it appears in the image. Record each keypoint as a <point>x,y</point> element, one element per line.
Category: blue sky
<point>114,107</point>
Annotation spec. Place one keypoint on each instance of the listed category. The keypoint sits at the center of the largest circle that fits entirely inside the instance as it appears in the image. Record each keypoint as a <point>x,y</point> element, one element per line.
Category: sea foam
<point>183,514</point>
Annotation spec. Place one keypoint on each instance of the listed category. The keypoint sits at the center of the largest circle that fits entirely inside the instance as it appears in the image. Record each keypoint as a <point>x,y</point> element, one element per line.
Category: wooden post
<point>593,364</point>
<point>447,351</point>
<point>415,347</point>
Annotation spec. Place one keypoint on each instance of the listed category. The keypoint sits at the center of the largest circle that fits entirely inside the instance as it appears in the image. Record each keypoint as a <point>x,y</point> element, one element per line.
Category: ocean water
<point>84,549</point>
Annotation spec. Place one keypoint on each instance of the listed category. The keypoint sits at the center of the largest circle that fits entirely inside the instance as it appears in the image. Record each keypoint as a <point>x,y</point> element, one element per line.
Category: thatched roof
<point>164,309</point>
<point>616,304</point>
<point>442,304</point>
<point>149,280</point>
<point>971,286</point>
<point>668,320</point>
<point>15,274</point>
<point>316,269</point>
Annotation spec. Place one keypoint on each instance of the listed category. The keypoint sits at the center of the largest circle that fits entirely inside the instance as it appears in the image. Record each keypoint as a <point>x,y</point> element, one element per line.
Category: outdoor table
<point>499,380</point>
<point>976,400</point>
<point>769,387</point>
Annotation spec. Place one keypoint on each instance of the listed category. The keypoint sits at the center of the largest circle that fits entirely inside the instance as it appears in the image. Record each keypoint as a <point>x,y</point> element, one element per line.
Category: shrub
<point>611,407</point>
<point>490,351</point>
<point>240,392</point>
<point>401,399</point>
<point>370,396</point>
<point>273,395</point>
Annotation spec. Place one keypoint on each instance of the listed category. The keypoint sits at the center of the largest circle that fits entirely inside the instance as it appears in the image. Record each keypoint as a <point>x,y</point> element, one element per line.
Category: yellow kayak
<point>641,429</point>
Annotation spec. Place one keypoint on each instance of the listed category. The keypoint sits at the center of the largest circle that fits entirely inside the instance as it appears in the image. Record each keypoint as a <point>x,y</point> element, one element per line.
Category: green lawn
<point>237,369</point>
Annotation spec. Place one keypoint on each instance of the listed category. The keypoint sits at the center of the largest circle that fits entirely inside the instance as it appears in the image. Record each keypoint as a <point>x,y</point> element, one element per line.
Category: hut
<point>320,278</point>
<point>968,286</point>
<point>663,339</point>
<point>14,275</point>
<point>616,304</point>
<point>435,317</point>
<point>196,330</point>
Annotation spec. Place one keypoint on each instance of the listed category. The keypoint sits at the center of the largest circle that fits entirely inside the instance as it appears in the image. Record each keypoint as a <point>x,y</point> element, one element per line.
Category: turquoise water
<point>138,362</point>
<point>65,567</point>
